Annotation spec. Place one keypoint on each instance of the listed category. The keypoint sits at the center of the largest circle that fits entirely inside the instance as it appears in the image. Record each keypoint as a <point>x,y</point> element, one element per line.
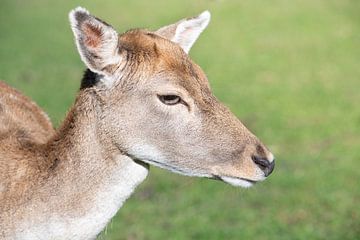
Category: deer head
<point>156,105</point>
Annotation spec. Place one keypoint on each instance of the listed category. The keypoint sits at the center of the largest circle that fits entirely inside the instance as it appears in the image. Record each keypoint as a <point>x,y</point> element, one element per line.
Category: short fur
<point>68,183</point>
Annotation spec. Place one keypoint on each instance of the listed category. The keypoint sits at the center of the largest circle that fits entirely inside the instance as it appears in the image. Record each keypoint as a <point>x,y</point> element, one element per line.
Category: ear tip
<point>80,9</point>
<point>77,14</point>
<point>205,15</point>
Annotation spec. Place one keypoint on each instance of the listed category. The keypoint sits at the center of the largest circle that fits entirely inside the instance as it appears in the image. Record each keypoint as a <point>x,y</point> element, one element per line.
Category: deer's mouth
<point>236,181</point>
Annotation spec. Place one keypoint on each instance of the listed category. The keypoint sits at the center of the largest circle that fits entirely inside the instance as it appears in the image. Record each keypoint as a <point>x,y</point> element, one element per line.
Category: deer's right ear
<point>97,41</point>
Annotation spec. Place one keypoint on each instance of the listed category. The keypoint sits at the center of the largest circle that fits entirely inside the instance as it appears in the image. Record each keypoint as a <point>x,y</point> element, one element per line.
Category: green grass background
<point>290,70</point>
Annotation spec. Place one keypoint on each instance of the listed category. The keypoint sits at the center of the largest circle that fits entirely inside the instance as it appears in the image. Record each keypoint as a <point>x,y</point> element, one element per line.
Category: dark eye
<point>169,99</point>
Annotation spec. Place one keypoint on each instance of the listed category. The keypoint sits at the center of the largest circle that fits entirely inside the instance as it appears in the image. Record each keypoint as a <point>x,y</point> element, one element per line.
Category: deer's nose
<point>264,164</point>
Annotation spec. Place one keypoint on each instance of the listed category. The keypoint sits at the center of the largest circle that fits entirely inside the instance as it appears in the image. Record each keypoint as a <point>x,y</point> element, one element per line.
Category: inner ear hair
<point>96,40</point>
<point>93,34</point>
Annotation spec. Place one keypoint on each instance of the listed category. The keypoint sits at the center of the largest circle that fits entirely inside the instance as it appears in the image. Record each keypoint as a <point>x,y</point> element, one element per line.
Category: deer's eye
<point>169,99</point>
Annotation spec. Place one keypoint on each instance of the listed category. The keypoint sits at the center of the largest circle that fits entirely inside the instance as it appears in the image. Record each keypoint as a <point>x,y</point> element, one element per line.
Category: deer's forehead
<point>163,59</point>
<point>188,76</point>
<point>137,42</point>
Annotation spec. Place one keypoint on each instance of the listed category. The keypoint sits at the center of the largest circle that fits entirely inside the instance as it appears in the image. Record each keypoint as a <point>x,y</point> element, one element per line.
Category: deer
<point>142,101</point>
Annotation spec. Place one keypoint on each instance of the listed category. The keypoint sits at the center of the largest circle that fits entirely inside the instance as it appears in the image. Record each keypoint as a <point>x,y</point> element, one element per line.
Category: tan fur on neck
<point>68,183</point>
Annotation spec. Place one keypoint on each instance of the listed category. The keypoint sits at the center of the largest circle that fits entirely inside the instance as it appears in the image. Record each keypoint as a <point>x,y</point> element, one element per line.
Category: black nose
<point>265,165</point>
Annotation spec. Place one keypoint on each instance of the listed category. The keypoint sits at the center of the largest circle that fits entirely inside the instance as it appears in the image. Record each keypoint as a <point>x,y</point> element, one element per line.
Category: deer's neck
<point>90,181</point>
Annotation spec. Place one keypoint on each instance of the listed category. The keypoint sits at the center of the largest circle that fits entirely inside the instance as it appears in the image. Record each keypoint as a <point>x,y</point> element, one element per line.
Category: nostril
<point>261,162</point>
<point>265,165</point>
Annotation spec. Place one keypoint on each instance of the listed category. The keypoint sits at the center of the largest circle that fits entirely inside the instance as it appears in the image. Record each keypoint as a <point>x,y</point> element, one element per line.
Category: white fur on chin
<point>237,182</point>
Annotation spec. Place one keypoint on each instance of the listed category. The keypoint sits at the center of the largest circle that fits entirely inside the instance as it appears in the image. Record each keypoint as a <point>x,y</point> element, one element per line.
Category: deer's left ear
<point>186,31</point>
<point>97,41</point>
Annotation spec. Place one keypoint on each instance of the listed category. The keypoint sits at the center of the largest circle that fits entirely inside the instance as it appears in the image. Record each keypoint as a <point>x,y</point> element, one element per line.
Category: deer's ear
<point>97,41</point>
<point>186,31</point>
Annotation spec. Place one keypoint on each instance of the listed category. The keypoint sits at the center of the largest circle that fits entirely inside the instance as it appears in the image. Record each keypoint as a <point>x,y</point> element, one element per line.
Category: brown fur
<point>93,34</point>
<point>46,173</point>
<point>24,127</point>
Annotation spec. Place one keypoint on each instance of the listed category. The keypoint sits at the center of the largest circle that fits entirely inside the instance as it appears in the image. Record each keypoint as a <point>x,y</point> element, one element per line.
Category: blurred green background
<point>290,70</point>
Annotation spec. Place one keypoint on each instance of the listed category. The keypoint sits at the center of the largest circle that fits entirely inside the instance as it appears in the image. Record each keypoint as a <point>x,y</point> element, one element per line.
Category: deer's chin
<point>238,182</point>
